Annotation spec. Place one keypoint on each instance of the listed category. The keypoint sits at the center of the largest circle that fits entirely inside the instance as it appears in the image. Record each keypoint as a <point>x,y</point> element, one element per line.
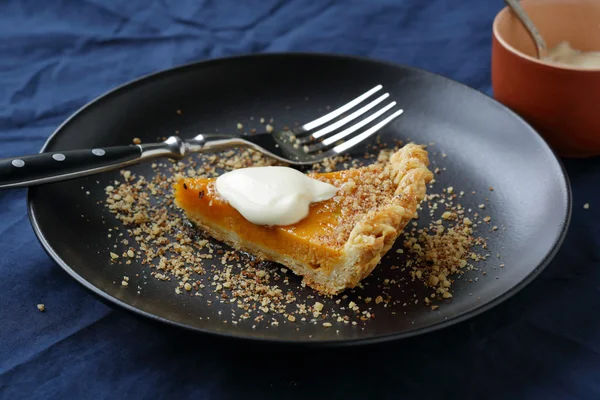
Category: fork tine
<point>323,145</point>
<point>339,111</point>
<point>359,138</point>
<point>343,121</point>
<point>355,127</point>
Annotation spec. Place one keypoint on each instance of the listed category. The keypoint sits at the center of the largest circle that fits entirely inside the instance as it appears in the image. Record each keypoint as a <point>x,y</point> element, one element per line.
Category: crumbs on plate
<point>159,236</point>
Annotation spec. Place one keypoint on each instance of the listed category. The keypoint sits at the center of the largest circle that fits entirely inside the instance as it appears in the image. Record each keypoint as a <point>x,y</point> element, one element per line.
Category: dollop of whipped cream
<point>272,195</point>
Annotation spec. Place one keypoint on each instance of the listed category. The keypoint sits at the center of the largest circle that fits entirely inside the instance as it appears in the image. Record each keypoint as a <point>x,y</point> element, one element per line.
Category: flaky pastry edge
<point>375,234</point>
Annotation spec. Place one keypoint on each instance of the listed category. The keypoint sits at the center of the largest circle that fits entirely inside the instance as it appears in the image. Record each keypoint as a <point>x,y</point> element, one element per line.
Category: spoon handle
<point>540,44</point>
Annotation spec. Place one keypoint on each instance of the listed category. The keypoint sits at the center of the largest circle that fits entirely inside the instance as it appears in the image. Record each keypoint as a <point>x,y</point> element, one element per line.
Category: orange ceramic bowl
<point>561,102</point>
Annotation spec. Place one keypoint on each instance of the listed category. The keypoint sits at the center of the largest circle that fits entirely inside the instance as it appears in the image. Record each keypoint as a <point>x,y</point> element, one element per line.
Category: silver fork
<point>327,136</point>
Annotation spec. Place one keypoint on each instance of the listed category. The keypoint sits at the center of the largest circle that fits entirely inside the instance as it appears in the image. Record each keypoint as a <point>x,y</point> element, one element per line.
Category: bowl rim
<point>502,14</point>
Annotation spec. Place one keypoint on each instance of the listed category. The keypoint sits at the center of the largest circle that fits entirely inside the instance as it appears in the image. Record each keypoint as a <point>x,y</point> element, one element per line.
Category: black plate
<point>485,143</point>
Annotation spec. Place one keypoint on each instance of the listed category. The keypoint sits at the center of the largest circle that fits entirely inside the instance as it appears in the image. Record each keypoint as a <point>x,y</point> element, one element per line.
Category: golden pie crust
<point>342,239</point>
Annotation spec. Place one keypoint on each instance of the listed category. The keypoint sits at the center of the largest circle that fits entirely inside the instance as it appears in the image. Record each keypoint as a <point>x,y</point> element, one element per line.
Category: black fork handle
<point>57,166</point>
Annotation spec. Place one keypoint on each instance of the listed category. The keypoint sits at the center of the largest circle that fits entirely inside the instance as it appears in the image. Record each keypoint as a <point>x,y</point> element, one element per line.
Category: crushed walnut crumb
<point>447,248</point>
<point>159,236</point>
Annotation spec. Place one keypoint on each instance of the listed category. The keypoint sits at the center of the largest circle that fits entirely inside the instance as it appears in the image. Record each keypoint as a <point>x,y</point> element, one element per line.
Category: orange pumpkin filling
<point>310,239</point>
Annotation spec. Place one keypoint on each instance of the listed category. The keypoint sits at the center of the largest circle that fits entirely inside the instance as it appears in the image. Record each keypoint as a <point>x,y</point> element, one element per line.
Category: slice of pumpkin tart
<point>342,239</point>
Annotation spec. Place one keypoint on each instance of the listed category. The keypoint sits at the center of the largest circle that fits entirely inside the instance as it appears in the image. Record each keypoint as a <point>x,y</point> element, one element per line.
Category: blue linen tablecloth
<point>57,55</point>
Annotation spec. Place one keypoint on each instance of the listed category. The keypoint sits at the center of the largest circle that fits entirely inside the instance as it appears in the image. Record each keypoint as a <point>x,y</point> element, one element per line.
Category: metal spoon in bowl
<point>540,44</point>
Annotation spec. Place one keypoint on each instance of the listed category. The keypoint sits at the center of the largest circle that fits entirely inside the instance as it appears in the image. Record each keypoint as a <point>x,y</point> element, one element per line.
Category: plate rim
<point>478,310</point>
